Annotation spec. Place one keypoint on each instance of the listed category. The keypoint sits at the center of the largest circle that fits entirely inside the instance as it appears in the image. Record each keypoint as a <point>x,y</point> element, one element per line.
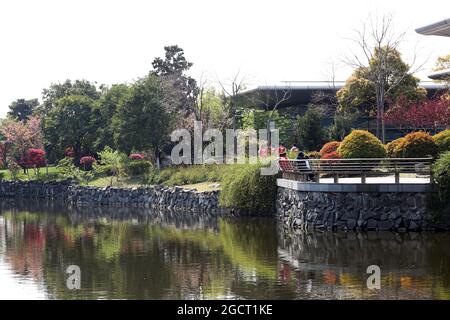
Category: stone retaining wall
<point>158,197</point>
<point>400,211</point>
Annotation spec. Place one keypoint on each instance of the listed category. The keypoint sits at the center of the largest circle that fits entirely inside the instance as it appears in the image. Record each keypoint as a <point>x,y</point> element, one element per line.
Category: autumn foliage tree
<point>34,158</point>
<point>427,115</point>
<point>20,136</point>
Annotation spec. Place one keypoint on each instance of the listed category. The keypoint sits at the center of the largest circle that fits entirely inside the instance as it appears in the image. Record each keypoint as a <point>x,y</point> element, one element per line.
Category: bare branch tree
<point>270,99</point>
<point>377,41</point>
<point>199,99</point>
<point>232,90</point>
<point>236,86</point>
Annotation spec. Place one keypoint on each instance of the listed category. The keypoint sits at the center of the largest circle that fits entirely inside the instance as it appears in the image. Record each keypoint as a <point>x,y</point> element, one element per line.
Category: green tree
<point>114,161</point>
<point>212,109</point>
<point>69,123</point>
<point>104,111</point>
<point>68,88</point>
<point>172,72</point>
<point>141,122</point>
<point>308,133</point>
<point>257,119</point>
<point>343,122</point>
<point>386,78</point>
<point>442,63</point>
<point>21,109</point>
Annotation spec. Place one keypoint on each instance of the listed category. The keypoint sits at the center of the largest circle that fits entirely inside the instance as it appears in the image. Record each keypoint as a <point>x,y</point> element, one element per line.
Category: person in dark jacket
<point>303,165</point>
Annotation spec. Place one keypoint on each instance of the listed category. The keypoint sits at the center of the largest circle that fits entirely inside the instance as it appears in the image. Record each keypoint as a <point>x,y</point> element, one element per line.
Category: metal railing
<point>313,169</point>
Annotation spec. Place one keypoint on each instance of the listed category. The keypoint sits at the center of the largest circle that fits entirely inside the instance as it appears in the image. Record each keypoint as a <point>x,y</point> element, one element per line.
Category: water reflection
<point>140,253</point>
<point>413,265</point>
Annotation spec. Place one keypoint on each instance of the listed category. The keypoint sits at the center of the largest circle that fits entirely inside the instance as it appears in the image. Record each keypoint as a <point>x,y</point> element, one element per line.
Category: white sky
<point>110,41</point>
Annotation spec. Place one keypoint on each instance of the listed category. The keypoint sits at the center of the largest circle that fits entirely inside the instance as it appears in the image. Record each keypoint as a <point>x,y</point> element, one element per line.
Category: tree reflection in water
<point>140,253</point>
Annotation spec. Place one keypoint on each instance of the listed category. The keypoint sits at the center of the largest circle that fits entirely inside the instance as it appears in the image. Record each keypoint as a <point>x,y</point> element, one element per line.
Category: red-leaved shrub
<point>87,162</point>
<point>136,156</point>
<point>331,155</point>
<point>34,158</point>
<point>329,147</point>
<point>69,152</point>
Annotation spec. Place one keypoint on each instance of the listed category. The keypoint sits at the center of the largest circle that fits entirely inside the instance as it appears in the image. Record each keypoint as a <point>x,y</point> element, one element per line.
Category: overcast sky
<point>111,41</point>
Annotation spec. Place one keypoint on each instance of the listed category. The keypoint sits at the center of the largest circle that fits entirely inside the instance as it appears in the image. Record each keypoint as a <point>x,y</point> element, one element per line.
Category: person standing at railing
<point>282,153</point>
<point>302,164</point>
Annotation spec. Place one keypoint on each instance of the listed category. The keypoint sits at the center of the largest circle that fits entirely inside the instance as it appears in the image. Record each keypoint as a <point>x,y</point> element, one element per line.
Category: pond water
<point>143,254</point>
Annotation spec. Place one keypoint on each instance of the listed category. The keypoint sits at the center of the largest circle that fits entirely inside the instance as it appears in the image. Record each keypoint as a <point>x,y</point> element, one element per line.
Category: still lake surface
<point>143,254</point>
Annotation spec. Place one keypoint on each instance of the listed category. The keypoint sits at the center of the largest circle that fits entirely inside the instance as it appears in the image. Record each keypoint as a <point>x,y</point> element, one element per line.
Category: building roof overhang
<point>440,75</point>
<point>302,92</point>
<point>441,28</point>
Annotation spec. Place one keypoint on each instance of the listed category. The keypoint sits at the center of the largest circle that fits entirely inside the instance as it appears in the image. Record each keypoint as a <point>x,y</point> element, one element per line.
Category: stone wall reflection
<point>358,250</point>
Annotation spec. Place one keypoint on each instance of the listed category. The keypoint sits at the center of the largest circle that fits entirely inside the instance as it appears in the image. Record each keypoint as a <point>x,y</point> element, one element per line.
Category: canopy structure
<point>440,75</point>
<point>441,28</point>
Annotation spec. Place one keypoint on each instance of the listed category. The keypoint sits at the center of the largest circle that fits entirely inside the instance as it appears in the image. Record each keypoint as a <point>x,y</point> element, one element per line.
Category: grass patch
<point>180,176</point>
<point>52,174</point>
<point>203,186</point>
<point>104,181</point>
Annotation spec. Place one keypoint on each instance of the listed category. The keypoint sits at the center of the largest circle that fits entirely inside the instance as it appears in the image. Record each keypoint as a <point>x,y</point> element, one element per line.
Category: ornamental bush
<point>134,168</point>
<point>442,140</point>
<point>329,147</point>
<point>67,169</point>
<point>113,161</point>
<point>244,187</point>
<point>361,144</point>
<point>331,155</point>
<point>391,148</point>
<point>416,145</point>
<point>136,156</point>
<point>441,175</point>
<point>87,162</point>
<point>313,154</point>
<point>69,152</point>
<point>13,167</point>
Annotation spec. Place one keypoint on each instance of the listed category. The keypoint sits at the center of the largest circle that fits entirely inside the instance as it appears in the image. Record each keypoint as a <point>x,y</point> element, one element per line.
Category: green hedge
<point>361,144</point>
<point>441,175</point>
<point>244,187</point>
<point>442,140</point>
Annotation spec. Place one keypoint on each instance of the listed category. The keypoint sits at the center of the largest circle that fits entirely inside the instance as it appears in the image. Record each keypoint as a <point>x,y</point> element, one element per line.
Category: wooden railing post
<point>430,169</point>
<point>317,177</point>
<point>363,173</point>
